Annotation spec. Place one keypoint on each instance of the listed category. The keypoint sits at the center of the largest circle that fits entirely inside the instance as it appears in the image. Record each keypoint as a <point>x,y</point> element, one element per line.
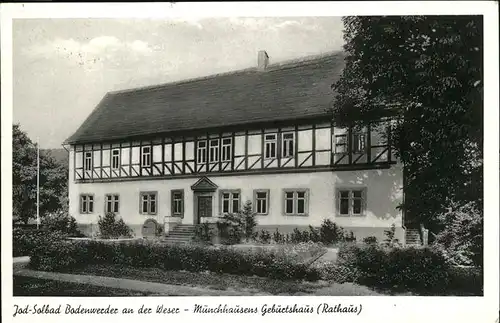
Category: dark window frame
<point>295,198</point>
<point>256,200</point>
<point>115,201</point>
<point>148,202</point>
<point>174,199</point>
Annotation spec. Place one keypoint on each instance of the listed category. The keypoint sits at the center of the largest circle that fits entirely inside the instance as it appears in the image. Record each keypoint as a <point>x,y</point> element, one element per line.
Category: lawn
<point>220,281</point>
<point>27,286</point>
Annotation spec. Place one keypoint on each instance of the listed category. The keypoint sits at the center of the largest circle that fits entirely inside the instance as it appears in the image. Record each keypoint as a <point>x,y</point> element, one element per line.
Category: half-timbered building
<point>187,152</point>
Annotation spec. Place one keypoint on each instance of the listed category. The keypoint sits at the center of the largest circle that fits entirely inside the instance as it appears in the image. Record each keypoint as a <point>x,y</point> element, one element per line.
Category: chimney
<point>262,60</point>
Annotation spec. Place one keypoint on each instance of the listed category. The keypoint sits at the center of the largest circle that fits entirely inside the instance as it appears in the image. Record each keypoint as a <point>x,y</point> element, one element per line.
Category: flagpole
<point>37,185</point>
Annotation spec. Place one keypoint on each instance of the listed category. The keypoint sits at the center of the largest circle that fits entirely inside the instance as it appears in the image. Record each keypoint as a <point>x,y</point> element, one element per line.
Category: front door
<point>204,207</point>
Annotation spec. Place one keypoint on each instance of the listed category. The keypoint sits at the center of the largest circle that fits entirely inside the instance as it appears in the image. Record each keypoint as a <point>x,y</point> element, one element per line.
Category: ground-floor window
<point>230,201</point>
<point>112,203</point>
<point>86,203</point>
<point>177,202</point>
<point>148,202</point>
<point>296,201</point>
<point>351,202</point>
<point>261,201</point>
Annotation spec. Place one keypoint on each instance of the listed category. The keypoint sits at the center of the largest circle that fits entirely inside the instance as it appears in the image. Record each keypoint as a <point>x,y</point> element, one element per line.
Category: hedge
<point>61,255</point>
<point>423,270</point>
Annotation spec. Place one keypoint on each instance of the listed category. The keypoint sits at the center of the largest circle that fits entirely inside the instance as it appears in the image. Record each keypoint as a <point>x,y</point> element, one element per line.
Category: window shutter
<point>140,203</point>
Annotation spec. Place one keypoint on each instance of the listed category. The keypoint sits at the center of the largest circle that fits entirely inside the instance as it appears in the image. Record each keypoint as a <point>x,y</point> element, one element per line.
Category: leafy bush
<point>232,228</point>
<point>390,241</point>
<point>203,232</point>
<point>421,269</point>
<point>61,255</point>
<point>370,240</point>
<point>24,240</point>
<point>62,222</point>
<point>264,237</point>
<point>249,221</point>
<point>110,227</point>
<point>278,237</point>
<point>461,238</point>
<point>331,233</point>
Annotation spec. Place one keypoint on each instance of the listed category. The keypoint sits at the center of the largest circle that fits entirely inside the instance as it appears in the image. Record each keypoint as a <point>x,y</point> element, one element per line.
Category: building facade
<point>188,152</point>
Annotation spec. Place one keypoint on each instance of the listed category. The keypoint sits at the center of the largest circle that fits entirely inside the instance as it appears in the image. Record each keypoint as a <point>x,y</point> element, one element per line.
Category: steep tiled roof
<point>283,91</point>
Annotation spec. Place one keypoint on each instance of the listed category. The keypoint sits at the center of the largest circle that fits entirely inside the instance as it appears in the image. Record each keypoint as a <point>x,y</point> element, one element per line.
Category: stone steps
<point>181,234</point>
<point>412,237</point>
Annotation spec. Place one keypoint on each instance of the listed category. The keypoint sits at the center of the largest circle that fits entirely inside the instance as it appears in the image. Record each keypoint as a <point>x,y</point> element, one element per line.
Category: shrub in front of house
<point>24,240</point>
<point>204,232</point>
<point>264,237</point>
<point>232,228</point>
<point>62,222</point>
<point>410,268</point>
<point>63,255</point>
<point>112,228</point>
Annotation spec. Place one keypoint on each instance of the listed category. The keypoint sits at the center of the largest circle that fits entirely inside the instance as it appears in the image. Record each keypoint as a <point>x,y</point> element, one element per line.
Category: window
<point>201,153</point>
<point>351,202</point>
<point>115,159</point>
<point>86,203</point>
<point>88,160</point>
<point>296,202</point>
<point>288,144</point>
<point>146,156</point>
<point>178,203</point>
<point>214,150</point>
<point>230,201</point>
<point>358,142</point>
<point>270,146</point>
<point>227,149</point>
<point>112,203</point>
<point>340,144</point>
<point>148,202</point>
<point>261,201</point>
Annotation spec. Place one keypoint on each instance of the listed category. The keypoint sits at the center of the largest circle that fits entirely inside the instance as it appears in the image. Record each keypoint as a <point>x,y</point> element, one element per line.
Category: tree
<point>53,179</point>
<point>425,73</point>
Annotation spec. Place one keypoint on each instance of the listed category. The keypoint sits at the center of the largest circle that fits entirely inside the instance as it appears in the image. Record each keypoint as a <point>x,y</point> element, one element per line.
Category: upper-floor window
<point>178,203</point>
<point>340,144</point>
<point>201,152</point>
<point>270,145</point>
<point>146,156</point>
<point>351,202</point>
<point>214,150</point>
<point>261,201</point>
<point>88,160</point>
<point>148,202</point>
<point>115,159</point>
<point>112,203</point>
<point>227,148</point>
<point>230,201</point>
<point>86,203</point>
<point>296,201</point>
<point>358,142</point>
<point>288,144</point>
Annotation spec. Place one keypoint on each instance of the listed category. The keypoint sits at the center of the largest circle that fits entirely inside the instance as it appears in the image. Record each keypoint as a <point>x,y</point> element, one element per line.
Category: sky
<point>63,67</point>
